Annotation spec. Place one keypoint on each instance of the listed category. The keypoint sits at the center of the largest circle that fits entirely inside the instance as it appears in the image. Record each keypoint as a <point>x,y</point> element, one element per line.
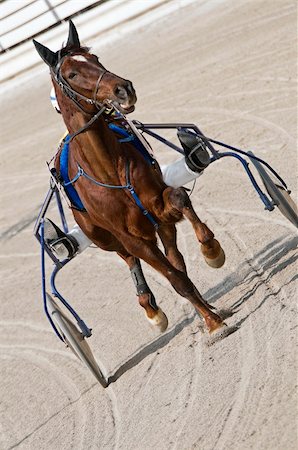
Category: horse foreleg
<point>150,253</point>
<point>210,247</point>
<point>154,314</point>
<point>168,236</point>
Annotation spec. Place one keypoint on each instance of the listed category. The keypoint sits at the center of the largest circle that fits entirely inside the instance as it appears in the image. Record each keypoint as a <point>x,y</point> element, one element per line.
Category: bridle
<point>72,93</point>
<point>102,106</point>
<point>75,96</point>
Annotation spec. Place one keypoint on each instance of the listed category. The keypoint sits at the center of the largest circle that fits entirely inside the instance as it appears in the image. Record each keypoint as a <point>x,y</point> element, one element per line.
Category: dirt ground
<point>230,67</point>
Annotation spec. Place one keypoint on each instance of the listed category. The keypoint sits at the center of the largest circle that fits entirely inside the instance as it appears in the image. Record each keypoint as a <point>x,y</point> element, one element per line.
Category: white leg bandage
<point>80,237</point>
<point>178,174</point>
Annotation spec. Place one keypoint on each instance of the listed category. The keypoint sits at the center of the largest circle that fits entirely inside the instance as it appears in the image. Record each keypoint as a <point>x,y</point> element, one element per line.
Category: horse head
<point>81,76</point>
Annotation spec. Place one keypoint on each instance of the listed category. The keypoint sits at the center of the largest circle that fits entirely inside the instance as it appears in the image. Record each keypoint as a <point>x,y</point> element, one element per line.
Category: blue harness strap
<point>68,187</point>
<point>129,137</point>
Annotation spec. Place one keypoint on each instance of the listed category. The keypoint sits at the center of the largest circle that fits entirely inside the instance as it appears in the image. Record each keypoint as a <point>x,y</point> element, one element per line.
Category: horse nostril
<point>121,92</point>
<point>129,87</point>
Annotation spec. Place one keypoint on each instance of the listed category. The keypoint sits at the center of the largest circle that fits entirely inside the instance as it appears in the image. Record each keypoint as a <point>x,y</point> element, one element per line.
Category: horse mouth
<point>124,109</point>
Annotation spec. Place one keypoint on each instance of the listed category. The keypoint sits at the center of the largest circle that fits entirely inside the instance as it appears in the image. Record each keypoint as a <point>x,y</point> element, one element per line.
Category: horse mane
<point>71,49</point>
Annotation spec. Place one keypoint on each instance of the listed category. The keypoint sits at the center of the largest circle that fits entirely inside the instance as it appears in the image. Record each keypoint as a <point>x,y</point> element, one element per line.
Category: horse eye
<point>72,75</point>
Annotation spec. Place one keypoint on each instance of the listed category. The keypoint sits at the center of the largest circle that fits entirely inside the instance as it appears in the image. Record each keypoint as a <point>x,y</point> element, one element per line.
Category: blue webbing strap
<point>144,210</point>
<point>137,200</point>
<point>66,183</point>
<point>129,137</point>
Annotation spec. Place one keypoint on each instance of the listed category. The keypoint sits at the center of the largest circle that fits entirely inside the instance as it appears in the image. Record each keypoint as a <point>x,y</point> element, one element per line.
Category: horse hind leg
<point>154,314</point>
<point>108,242</point>
<point>210,247</point>
<point>150,253</point>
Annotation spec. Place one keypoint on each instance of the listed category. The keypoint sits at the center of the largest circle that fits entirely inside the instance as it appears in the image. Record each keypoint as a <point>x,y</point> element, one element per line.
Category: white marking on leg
<point>159,320</point>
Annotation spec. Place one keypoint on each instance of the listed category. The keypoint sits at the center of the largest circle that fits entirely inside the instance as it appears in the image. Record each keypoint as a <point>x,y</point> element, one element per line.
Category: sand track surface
<point>230,67</point>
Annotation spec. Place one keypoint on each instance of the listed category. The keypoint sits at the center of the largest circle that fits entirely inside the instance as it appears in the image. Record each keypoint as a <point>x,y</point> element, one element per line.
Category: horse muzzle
<point>125,97</point>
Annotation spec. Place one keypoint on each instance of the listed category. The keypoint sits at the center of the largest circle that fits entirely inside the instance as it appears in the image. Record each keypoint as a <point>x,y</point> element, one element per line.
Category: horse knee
<point>179,199</point>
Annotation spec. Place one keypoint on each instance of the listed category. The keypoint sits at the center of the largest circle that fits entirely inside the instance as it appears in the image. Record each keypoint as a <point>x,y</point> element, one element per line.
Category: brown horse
<point>112,219</point>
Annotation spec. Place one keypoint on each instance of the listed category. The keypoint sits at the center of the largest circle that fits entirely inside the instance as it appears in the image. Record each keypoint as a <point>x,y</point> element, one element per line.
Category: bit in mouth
<point>126,109</point>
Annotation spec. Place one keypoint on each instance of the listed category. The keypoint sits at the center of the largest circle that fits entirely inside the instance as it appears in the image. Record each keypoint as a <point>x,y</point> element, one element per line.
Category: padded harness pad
<point>70,191</point>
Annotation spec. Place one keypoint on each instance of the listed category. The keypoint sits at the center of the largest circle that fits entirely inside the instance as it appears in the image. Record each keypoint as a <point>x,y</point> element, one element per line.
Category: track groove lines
<point>192,389</point>
<point>75,407</point>
<point>260,277</point>
<point>232,71</point>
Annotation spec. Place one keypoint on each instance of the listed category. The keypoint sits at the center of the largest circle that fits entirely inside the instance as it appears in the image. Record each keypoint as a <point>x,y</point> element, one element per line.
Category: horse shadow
<point>258,270</point>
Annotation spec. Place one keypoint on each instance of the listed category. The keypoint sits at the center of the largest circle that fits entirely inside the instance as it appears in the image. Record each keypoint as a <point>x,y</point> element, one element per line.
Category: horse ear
<point>73,37</point>
<point>49,57</point>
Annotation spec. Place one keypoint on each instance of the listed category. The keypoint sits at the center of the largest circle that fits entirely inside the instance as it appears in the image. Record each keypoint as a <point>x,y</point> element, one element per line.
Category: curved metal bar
<point>172,126</point>
<point>61,211</point>
<point>268,204</point>
<point>148,127</point>
<point>84,328</point>
<point>242,152</point>
<point>164,141</point>
<point>39,234</point>
<point>42,211</point>
<point>43,281</point>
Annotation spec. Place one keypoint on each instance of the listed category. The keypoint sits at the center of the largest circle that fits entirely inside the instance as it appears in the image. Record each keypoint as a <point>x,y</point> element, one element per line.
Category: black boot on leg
<point>196,154</point>
<point>61,244</point>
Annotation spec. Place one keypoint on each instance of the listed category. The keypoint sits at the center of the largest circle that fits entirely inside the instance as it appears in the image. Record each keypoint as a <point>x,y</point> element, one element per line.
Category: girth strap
<point>136,198</point>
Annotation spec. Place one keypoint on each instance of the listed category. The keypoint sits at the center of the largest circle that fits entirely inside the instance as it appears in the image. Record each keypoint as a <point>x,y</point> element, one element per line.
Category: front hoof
<point>219,334</point>
<point>160,320</point>
<point>218,261</point>
<point>213,322</point>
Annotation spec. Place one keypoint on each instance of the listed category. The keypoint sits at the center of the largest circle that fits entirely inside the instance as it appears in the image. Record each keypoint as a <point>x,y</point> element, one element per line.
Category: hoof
<point>160,320</point>
<point>213,322</point>
<point>218,261</point>
<point>220,333</point>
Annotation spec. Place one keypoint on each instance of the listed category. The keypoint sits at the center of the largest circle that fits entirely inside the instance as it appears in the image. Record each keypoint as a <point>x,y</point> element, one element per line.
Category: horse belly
<point>116,213</point>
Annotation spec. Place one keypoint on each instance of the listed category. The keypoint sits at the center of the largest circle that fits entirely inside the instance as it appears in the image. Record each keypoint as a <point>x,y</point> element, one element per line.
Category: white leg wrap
<point>178,174</point>
<point>80,237</point>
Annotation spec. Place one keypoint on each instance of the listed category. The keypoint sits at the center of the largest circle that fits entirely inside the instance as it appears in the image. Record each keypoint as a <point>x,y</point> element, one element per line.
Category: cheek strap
<point>97,85</point>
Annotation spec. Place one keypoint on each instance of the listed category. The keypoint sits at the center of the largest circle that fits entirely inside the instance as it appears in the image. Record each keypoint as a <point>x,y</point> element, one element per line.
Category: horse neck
<point>96,150</point>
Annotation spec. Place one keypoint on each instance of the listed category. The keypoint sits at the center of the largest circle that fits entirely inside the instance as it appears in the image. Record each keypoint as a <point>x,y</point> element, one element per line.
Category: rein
<point>88,124</point>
